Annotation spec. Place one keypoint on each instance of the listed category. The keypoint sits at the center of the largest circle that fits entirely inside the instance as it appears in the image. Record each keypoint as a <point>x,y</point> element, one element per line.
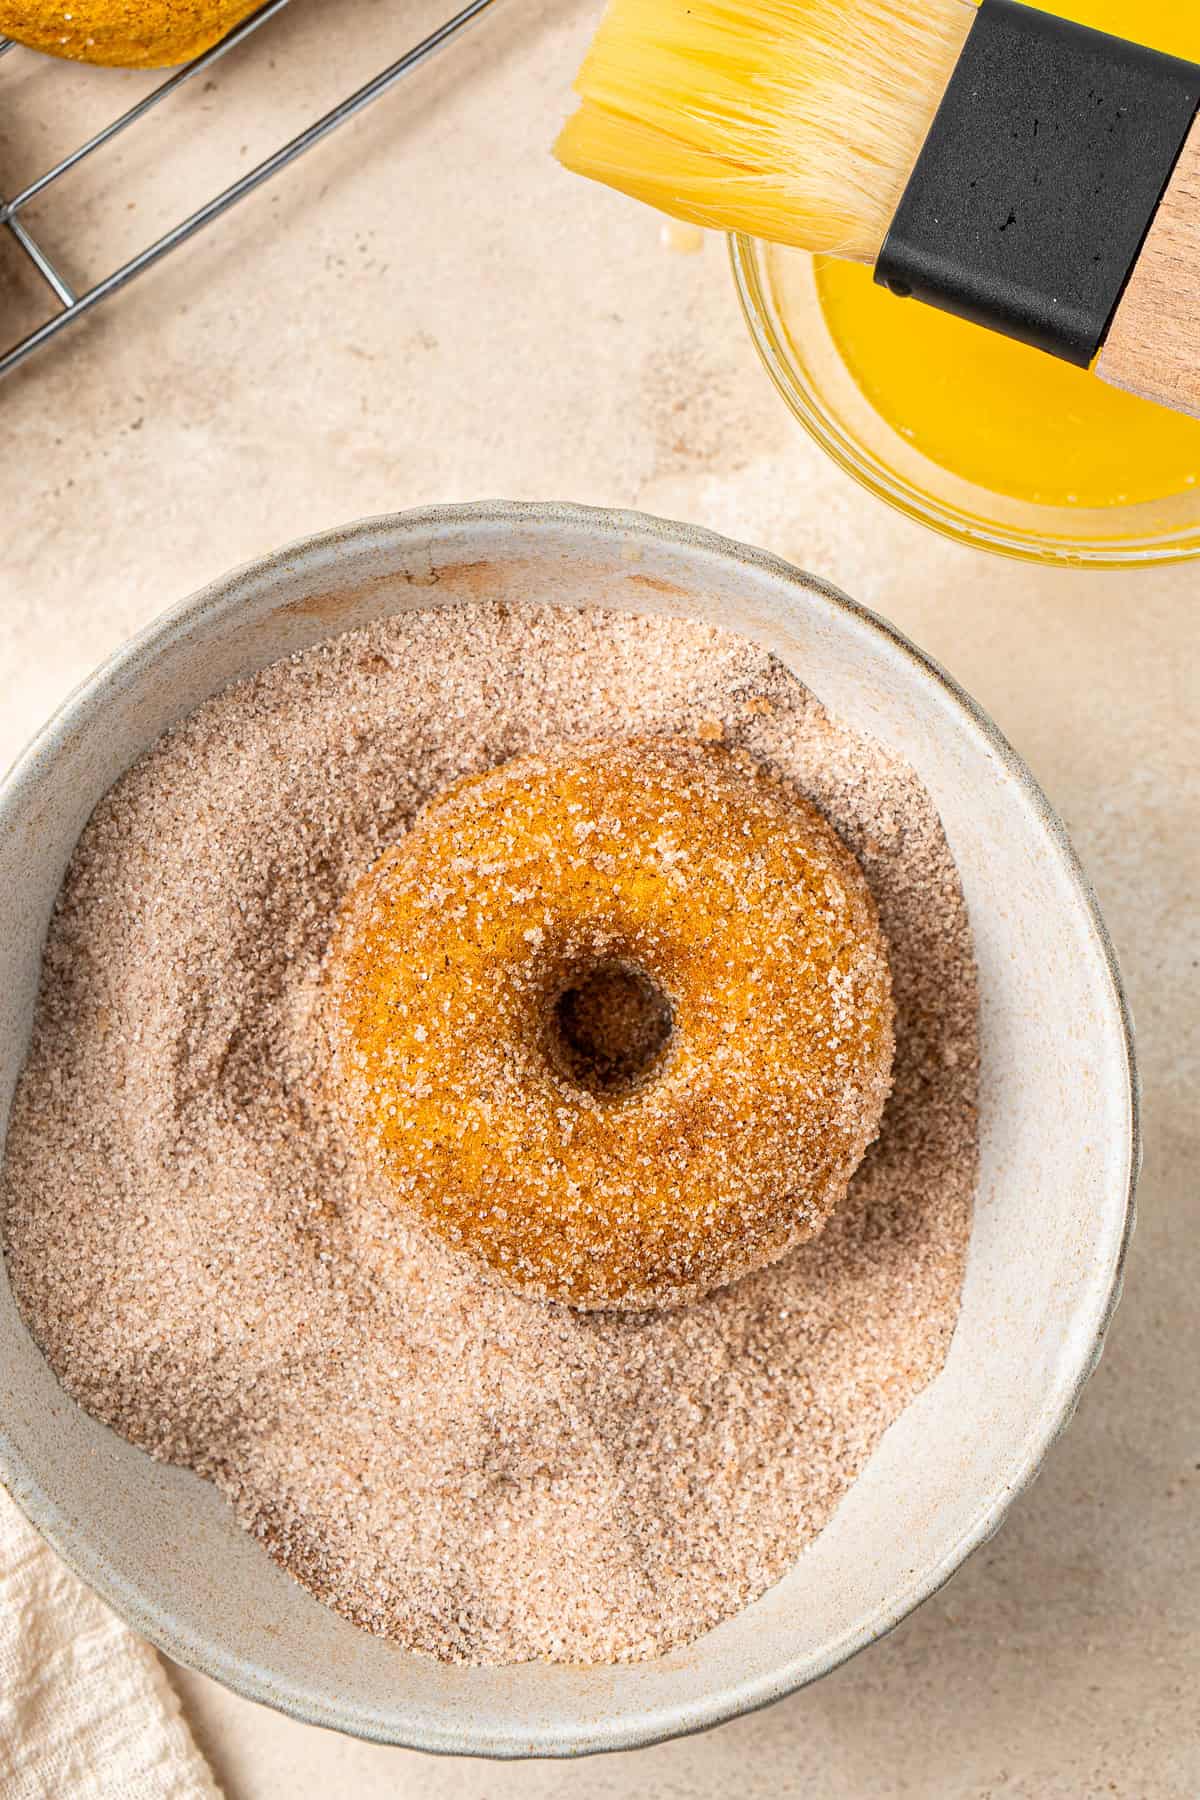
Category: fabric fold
<point>86,1710</point>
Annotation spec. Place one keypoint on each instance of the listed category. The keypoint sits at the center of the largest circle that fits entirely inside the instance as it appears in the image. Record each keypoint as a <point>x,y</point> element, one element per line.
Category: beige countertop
<point>427,309</point>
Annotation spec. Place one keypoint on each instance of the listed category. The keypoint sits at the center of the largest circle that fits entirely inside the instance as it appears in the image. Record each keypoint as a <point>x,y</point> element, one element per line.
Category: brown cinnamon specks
<point>480,1476</point>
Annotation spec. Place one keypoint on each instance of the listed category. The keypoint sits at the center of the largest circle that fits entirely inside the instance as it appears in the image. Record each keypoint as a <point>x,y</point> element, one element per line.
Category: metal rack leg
<point>75,307</point>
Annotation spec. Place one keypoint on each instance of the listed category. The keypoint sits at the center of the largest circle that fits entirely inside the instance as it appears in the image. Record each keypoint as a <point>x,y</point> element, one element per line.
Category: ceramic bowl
<point>1059,1150</point>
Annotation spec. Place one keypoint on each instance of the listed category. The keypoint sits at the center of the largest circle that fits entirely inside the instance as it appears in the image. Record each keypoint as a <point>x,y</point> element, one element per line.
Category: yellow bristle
<point>795,120</point>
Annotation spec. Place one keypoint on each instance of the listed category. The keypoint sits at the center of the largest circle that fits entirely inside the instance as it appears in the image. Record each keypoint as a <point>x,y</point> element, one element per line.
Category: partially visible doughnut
<point>616,1019</point>
<point>130,34</point>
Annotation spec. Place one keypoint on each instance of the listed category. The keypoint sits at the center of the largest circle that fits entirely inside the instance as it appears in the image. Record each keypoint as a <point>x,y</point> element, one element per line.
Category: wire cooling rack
<point>73,306</point>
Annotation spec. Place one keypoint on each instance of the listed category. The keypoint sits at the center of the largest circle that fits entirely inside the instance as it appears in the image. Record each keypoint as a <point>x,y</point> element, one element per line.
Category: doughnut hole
<point>610,1028</point>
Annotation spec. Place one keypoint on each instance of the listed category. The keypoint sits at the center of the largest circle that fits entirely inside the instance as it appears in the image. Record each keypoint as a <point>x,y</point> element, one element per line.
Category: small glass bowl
<point>778,291</point>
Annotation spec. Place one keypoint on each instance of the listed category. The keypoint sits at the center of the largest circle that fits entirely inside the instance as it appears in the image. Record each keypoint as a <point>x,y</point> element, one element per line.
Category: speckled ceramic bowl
<point>1059,1151</point>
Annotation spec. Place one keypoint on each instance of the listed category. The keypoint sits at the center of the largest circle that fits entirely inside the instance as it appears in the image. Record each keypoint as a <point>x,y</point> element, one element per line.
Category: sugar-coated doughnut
<point>131,34</point>
<point>616,1019</point>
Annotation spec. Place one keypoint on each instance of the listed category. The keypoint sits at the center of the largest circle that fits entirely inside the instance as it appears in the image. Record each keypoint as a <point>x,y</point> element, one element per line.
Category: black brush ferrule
<point>1041,174</point>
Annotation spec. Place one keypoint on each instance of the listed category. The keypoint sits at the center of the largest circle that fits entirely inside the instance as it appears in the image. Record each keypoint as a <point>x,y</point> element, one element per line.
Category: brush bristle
<point>796,120</point>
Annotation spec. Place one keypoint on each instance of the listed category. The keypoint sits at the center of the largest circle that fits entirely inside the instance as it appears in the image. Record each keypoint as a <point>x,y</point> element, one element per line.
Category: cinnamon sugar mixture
<point>480,1476</point>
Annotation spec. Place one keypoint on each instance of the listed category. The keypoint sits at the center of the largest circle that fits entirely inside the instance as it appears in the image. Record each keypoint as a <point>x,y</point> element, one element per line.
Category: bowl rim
<point>172,1635</point>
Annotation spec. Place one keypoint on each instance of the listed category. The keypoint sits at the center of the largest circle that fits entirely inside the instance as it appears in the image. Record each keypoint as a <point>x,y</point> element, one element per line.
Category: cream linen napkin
<point>86,1711</point>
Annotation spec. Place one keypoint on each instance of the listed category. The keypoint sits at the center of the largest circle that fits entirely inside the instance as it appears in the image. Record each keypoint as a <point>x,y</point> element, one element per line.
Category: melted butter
<point>678,235</point>
<point>995,412</point>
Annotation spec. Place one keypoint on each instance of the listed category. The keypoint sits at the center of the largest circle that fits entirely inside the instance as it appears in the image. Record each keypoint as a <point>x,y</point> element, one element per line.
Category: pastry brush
<point>1025,172</point>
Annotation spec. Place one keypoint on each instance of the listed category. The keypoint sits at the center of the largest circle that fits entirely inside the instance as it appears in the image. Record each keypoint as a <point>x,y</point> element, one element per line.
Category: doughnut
<point>132,34</point>
<point>615,1019</point>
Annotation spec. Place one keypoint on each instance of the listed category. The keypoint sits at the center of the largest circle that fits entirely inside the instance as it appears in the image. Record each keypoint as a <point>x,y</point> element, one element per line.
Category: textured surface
<point>1061,1662</point>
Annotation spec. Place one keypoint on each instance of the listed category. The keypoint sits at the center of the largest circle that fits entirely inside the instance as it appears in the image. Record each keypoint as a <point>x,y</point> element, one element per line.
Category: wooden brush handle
<point>1153,346</point>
